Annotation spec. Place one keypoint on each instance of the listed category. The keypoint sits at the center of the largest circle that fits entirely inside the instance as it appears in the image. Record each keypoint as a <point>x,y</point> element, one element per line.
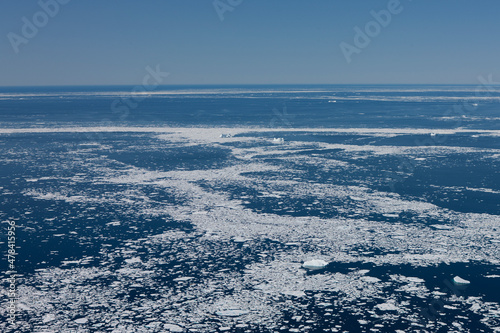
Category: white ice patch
<point>135,260</point>
<point>183,278</point>
<point>460,281</point>
<point>48,318</point>
<point>81,320</point>
<point>387,307</point>
<point>315,264</point>
<point>173,328</point>
<point>231,313</point>
<point>370,279</point>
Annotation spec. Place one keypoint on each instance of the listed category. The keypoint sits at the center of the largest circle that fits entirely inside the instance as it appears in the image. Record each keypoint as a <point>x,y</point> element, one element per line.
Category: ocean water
<point>193,208</point>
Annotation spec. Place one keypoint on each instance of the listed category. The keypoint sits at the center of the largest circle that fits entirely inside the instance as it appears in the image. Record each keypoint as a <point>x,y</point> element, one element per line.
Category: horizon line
<point>242,84</point>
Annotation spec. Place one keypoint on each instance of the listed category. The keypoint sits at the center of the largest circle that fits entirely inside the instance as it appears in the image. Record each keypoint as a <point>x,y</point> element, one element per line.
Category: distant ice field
<point>195,214</point>
<point>415,106</point>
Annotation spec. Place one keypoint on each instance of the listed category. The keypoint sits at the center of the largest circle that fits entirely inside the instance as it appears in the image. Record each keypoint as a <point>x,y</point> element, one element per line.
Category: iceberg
<point>278,140</point>
<point>315,264</point>
<point>459,281</point>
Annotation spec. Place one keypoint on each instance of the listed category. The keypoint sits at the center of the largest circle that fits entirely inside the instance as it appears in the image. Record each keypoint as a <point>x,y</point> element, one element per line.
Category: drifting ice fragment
<point>278,140</point>
<point>134,260</point>
<point>81,320</point>
<point>173,328</point>
<point>415,279</point>
<point>387,307</point>
<point>231,313</point>
<point>48,318</point>
<point>459,281</point>
<point>183,278</point>
<point>239,240</point>
<point>225,135</point>
<point>371,279</point>
<point>294,293</point>
<point>315,264</point>
<point>475,307</point>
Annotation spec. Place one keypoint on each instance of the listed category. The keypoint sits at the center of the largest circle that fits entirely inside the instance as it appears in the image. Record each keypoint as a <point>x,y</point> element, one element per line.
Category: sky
<point>108,42</point>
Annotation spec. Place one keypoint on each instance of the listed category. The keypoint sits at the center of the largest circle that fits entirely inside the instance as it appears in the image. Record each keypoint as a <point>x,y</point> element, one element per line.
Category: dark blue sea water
<point>385,106</point>
<point>193,208</point>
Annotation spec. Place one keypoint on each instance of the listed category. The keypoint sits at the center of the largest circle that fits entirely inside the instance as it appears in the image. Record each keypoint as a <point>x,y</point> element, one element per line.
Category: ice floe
<point>387,307</point>
<point>231,313</point>
<point>315,264</point>
<point>460,281</point>
<point>173,328</point>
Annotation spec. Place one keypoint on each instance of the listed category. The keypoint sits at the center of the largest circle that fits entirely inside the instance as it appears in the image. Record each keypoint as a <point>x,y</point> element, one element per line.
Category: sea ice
<point>315,264</point>
<point>294,293</point>
<point>231,313</point>
<point>387,307</point>
<point>183,278</point>
<point>459,281</point>
<point>134,260</point>
<point>81,320</point>
<point>370,279</point>
<point>415,279</point>
<point>239,240</point>
<point>173,328</point>
<point>48,318</point>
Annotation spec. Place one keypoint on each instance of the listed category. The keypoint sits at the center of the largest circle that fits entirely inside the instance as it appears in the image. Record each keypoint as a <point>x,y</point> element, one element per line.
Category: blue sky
<point>259,42</point>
